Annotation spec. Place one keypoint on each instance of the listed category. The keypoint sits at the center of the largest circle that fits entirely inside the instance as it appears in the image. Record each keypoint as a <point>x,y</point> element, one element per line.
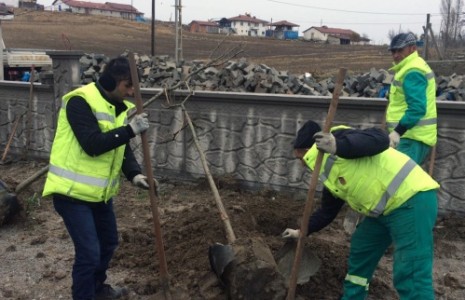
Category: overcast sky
<point>366,17</point>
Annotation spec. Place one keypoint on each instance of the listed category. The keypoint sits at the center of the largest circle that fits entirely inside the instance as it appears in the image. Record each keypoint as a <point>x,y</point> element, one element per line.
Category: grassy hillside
<point>112,36</point>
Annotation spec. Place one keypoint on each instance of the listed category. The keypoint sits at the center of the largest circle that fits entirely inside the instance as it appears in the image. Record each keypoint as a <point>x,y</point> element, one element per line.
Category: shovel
<point>244,266</point>
<point>293,278</point>
<point>166,293</point>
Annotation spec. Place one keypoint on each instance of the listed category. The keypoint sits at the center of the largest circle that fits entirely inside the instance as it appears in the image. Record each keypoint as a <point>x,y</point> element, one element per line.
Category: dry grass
<point>112,36</point>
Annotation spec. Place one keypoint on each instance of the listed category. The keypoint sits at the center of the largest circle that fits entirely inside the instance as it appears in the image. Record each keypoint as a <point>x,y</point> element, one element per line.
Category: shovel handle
<point>432,160</point>
<point>312,188</point>
<point>152,190</point>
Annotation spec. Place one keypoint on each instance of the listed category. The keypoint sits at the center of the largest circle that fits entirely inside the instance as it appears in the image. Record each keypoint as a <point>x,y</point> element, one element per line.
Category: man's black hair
<point>114,72</point>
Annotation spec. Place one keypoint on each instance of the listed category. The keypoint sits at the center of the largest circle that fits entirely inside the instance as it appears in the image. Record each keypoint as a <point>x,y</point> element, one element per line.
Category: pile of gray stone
<point>241,76</point>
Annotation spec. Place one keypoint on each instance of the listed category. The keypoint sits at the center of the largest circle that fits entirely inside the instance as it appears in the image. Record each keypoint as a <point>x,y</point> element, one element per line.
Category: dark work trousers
<point>92,227</point>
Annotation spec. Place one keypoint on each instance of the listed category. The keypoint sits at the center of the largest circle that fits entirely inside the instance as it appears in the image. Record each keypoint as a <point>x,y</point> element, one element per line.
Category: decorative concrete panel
<point>246,136</point>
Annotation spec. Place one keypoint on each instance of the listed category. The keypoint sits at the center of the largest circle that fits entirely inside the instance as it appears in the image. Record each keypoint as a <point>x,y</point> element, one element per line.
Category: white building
<point>329,35</point>
<point>248,25</point>
<point>109,9</point>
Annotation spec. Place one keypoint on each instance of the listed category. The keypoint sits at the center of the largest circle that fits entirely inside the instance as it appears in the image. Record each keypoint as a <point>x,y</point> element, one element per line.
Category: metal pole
<point>176,4</point>
<point>2,49</point>
<point>153,28</point>
<point>180,31</point>
<point>178,21</point>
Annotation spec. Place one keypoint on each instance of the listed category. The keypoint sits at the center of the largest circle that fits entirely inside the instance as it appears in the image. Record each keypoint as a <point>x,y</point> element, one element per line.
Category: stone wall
<point>246,136</point>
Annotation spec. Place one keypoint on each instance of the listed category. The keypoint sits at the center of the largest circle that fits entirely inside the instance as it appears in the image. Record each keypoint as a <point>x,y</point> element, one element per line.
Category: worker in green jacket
<point>411,115</point>
<point>397,198</point>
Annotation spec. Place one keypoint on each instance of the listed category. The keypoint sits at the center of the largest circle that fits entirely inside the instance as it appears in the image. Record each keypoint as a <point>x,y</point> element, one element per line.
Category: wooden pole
<point>10,139</point>
<point>230,236</point>
<point>432,160</point>
<point>425,29</point>
<point>434,42</point>
<point>312,189</point>
<point>29,113</point>
<point>152,191</point>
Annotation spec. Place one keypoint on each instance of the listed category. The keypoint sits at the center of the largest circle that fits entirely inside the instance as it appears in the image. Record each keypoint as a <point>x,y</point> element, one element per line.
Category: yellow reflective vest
<point>372,185</point>
<point>72,172</point>
<point>426,129</point>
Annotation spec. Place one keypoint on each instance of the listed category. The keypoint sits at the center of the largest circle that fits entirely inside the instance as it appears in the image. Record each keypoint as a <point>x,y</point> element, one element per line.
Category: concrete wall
<point>247,136</point>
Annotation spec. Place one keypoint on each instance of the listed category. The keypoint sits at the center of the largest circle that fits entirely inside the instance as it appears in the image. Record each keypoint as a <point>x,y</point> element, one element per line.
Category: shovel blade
<point>309,264</point>
<point>220,257</point>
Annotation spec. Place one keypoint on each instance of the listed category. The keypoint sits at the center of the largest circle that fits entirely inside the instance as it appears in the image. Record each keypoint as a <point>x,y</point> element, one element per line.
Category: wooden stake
<point>230,236</point>
<point>10,139</point>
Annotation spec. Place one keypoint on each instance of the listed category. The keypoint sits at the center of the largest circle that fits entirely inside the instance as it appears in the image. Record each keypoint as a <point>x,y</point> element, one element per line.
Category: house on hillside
<point>248,25</point>
<point>225,26</point>
<point>109,9</point>
<point>283,30</point>
<point>329,35</point>
<point>204,26</point>
<point>30,4</point>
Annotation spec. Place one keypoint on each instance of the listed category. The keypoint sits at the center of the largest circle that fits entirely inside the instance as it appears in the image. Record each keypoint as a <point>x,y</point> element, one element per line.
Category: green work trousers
<point>416,150</point>
<point>410,229</point>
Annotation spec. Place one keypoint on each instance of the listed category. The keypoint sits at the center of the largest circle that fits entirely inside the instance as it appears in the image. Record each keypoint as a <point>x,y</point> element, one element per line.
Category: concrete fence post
<point>66,75</point>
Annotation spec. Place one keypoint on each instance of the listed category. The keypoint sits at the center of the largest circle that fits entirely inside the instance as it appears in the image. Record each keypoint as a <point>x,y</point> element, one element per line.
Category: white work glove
<point>290,233</point>
<point>325,142</point>
<point>141,182</point>
<point>139,123</point>
<point>394,139</point>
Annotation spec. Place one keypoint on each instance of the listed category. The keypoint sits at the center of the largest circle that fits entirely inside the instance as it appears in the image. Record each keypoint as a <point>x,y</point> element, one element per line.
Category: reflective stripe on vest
<point>423,122</point>
<point>100,116</point>
<point>391,189</point>
<point>84,179</point>
<point>357,280</point>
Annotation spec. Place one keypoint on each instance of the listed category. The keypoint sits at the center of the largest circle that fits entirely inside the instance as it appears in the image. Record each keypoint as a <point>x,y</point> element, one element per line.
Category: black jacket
<point>95,142</point>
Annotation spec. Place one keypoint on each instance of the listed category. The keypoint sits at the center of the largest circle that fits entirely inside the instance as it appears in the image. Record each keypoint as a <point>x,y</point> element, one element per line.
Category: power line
<point>350,11</point>
<point>361,23</point>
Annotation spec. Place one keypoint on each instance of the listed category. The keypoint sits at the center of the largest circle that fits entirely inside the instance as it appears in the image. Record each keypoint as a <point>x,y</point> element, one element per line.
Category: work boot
<point>108,293</point>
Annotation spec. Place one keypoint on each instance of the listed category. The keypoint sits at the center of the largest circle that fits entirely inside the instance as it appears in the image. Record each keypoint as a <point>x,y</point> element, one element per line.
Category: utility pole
<point>153,28</point>
<point>178,21</point>
<point>425,46</point>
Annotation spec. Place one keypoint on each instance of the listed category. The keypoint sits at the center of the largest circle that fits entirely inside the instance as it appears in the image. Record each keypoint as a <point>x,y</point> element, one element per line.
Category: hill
<point>112,36</point>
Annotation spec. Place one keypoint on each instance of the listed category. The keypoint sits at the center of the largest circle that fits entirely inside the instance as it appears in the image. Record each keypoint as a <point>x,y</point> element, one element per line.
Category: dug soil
<point>36,253</point>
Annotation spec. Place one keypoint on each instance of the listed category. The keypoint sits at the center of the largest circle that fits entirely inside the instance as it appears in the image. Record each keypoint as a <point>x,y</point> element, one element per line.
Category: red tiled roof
<point>121,7</point>
<point>333,31</point>
<point>284,23</point>
<point>102,6</point>
<point>247,18</point>
<point>205,23</point>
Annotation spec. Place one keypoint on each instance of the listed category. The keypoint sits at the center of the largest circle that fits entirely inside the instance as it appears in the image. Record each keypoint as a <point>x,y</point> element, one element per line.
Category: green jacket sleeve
<point>415,84</point>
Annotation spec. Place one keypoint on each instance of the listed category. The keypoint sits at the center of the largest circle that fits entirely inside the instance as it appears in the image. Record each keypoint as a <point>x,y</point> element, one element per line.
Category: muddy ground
<point>36,253</point>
